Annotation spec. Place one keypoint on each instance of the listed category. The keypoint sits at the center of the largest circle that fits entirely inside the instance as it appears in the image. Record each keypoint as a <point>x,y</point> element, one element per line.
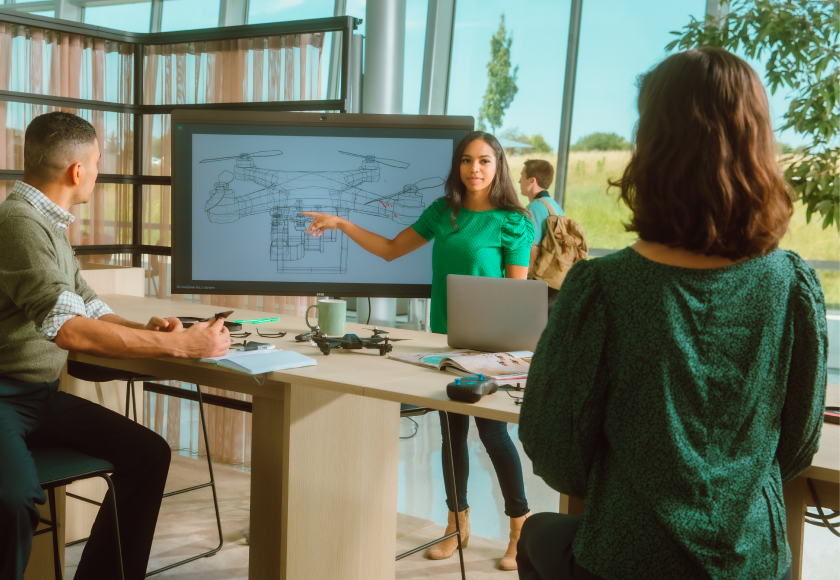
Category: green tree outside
<point>501,82</point>
<point>601,142</point>
<point>800,38</point>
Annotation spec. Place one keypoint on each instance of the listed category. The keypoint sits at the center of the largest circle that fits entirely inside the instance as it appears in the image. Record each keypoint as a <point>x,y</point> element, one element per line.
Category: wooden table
<point>325,447</point>
<point>824,473</point>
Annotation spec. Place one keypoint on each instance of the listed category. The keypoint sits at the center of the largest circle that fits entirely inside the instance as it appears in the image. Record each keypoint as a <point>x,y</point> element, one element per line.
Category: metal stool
<point>413,411</point>
<point>94,373</point>
<point>60,466</point>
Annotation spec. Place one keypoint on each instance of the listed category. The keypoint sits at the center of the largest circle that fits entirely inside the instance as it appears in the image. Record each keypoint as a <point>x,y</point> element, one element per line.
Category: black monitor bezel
<point>197,122</point>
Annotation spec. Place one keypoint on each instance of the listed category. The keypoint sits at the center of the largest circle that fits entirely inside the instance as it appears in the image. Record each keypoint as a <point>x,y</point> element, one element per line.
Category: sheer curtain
<point>40,61</point>
<point>46,62</point>
<point>275,68</point>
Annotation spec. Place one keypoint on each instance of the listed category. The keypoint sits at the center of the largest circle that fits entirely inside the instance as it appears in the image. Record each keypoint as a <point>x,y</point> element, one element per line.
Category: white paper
<point>237,353</point>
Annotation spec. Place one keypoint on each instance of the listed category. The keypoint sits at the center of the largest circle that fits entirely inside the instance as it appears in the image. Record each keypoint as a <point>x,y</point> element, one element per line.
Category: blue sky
<point>619,40</point>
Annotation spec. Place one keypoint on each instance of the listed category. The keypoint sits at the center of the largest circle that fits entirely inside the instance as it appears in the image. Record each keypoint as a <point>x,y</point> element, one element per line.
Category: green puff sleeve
<point>429,221</point>
<point>517,238</point>
<point>802,414</point>
<point>563,408</point>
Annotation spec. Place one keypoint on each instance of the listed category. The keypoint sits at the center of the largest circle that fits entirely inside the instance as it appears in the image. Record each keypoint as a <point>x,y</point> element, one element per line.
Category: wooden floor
<point>187,527</point>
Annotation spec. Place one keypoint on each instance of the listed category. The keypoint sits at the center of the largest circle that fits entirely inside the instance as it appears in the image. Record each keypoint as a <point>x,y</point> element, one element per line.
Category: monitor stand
<point>383,311</point>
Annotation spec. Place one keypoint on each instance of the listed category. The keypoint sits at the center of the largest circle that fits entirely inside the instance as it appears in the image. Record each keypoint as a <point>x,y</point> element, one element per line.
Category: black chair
<point>96,374</point>
<point>414,411</point>
<point>60,466</point>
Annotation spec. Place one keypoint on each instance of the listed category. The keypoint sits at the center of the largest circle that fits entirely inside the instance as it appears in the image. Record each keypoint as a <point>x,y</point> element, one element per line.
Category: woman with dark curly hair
<point>480,229</point>
<point>682,380</point>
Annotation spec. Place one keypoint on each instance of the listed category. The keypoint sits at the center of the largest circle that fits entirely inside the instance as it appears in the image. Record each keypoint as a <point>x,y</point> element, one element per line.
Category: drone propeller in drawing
<point>286,194</point>
<point>382,160</point>
<point>245,156</point>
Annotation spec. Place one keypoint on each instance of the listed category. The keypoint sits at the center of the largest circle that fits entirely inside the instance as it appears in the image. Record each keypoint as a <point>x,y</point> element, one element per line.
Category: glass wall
<point>189,14</point>
<point>539,32</point>
<point>129,17</point>
<point>618,41</point>
<point>260,11</point>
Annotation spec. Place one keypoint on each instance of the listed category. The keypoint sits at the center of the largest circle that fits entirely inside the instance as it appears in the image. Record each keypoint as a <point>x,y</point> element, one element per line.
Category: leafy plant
<point>601,142</point>
<point>800,39</point>
<point>536,141</point>
<point>501,83</point>
<point>540,145</point>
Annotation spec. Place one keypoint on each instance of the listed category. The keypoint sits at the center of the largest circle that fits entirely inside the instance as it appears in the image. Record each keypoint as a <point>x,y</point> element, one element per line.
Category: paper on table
<point>507,366</point>
<point>235,354</point>
<point>267,361</point>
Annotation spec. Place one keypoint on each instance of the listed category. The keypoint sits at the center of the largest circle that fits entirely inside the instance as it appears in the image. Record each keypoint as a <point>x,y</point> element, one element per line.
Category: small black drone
<point>380,340</point>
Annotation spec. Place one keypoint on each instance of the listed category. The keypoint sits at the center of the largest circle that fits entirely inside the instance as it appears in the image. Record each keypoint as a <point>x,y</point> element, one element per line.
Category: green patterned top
<point>483,244</point>
<point>677,401</point>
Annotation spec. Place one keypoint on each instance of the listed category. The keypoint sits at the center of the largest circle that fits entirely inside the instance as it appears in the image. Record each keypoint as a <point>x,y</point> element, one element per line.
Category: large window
<point>189,14</point>
<point>618,41</point>
<point>539,31</point>
<point>260,11</point>
<point>129,17</point>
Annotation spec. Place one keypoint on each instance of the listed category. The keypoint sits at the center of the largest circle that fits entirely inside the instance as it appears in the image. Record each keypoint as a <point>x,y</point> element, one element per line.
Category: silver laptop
<point>495,314</point>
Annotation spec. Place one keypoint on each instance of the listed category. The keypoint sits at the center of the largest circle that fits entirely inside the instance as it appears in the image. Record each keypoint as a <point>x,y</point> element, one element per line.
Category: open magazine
<point>499,366</point>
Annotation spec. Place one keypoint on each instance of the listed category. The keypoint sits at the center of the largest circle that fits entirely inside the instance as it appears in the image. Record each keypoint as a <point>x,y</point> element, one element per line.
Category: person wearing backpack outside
<point>534,180</point>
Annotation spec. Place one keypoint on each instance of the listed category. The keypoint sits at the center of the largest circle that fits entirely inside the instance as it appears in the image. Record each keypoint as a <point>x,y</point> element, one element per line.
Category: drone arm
<point>406,241</point>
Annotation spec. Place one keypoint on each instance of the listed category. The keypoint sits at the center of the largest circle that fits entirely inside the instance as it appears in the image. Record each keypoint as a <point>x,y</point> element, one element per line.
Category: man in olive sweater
<point>46,309</point>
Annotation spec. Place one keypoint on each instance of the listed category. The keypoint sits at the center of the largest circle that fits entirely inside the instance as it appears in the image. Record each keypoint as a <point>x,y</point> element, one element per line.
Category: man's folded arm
<point>109,340</point>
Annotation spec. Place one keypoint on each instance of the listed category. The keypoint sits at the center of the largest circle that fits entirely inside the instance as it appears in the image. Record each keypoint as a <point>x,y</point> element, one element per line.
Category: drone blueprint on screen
<point>249,192</point>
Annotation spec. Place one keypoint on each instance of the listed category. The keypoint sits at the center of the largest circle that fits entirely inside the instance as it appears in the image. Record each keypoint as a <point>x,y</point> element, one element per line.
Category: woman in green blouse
<point>682,380</point>
<point>480,229</point>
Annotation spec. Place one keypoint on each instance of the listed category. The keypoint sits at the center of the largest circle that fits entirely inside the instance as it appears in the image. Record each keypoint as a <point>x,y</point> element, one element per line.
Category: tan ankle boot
<point>508,561</point>
<point>445,549</point>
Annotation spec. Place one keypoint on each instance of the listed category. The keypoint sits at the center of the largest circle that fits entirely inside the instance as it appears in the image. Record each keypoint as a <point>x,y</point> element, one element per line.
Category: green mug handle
<point>306,317</point>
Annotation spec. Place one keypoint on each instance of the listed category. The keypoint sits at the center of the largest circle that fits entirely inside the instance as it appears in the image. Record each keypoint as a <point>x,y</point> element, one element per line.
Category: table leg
<point>323,486</point>
<point>572,506</point>
<point>795,494</point>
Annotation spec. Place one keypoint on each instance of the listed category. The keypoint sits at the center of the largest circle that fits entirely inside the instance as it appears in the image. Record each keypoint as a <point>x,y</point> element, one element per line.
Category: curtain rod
<point>334,24</point>
<point>68,102</point>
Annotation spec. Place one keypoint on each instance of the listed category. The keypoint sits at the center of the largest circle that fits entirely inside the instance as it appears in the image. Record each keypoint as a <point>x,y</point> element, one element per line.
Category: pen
<point>256,320</point>
<point>254,347</point>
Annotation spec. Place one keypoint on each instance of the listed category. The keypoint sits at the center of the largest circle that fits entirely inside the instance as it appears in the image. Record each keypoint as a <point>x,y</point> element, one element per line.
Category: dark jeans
<point>544,551</point>
<point>503,454</point>
<point>552,296</point>
<point>37,415</point>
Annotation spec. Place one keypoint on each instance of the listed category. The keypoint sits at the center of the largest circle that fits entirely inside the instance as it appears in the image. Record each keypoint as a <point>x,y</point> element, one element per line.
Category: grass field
<point>602,214</point>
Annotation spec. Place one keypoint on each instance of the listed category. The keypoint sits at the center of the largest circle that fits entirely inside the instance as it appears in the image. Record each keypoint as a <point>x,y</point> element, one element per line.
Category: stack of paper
<point>255,362</point>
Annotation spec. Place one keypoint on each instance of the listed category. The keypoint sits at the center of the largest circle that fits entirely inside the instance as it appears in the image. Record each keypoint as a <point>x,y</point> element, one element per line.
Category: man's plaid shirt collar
<point>45,206</point>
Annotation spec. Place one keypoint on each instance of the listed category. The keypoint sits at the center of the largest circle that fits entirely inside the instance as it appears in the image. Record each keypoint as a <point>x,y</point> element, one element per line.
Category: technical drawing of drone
<point>286,194</point>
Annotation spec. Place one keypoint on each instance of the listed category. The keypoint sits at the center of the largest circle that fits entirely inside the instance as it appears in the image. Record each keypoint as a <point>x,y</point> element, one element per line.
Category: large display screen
<point>239,193</point>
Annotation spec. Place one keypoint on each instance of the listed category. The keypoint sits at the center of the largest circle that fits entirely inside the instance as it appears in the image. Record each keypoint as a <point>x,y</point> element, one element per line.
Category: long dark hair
<point>704,174</point>
<point>502,193</point>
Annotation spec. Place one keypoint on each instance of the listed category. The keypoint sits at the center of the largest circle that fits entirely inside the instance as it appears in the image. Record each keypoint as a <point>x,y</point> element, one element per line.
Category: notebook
<point>256,362</point>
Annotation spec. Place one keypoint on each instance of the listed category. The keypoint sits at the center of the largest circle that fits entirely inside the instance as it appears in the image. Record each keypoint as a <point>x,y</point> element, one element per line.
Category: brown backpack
<point>563,244</point>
